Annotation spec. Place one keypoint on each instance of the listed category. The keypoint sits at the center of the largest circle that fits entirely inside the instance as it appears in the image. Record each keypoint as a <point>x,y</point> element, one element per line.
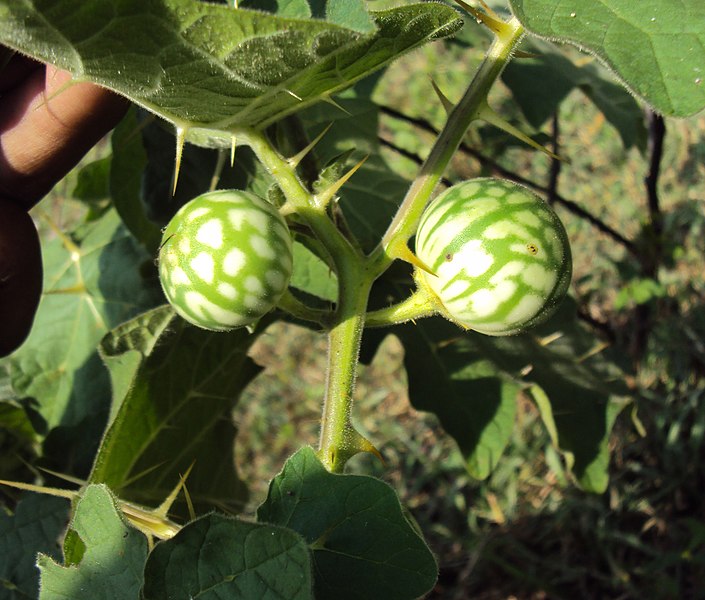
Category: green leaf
<point>577,386</point>
<point>540,84</point>
<point>355,526</point>
<point>657,48</point>
<point>173,389</point>
<point>114,557</point>
<point>312,275</point>
<point>92,282</point>
<point>351,14</point>
<point>450,376</point>
<point>207,65</point>
<point>35,527</point>
<point>128,163</point>
<point>219,558</point>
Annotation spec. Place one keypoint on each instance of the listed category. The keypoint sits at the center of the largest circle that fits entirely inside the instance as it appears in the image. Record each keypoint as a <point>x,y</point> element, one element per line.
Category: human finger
<point>20,275</point>
<point>46,126</point>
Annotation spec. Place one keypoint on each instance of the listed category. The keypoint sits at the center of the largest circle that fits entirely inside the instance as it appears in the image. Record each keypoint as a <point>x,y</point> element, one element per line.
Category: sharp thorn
<point>491,117</point>
<point>332,102</point>
<point>488,10</point>
<point>324,197</point>
<point>40,489</point>
<point>402,252</point>
<point>164,507</point>
<point>293,95</point>
<point>299,156</point>
<point>447,104</point>
<point>490,19</point>
<point>180,141</point>
<point>233,144</point>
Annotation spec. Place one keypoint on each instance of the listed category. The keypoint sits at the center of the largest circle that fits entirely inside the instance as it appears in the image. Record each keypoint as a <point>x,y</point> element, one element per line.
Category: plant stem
<point>465,112</point>
<point>297,194</point>
<point>296,308</point>
<point>339,440</point>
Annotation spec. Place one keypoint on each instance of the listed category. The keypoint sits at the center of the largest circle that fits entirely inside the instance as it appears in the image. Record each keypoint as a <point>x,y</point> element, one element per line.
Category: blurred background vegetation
<point>527,531</point>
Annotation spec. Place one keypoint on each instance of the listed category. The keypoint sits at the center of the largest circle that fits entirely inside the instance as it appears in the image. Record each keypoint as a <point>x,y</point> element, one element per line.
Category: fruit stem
<point>417,306</point>
<point>468,109</point>
<point>297,309</point>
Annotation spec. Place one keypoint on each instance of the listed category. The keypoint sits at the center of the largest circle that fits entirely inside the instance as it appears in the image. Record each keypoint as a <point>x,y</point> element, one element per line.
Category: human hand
<point>45,129</point>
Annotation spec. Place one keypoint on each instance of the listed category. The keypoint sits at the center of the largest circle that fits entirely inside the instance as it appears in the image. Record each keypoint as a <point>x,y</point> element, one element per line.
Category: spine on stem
<point>468,109</point>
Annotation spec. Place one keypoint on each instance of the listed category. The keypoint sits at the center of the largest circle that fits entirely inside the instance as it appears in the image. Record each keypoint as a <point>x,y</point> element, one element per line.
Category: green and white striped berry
<point>225,259</point>
<point>500,255</point>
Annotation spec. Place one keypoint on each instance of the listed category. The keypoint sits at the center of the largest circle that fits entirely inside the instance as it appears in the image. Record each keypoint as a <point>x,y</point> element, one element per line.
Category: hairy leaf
<point>173,389</point>
<point>219,558</point>
<point>657,48</point>
<point>356,528</point>
<point>209,66</point>
<point>114,557</point>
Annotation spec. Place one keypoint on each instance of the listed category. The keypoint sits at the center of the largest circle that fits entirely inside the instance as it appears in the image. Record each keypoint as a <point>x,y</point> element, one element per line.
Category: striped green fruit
<point>500,255</point>
<point>225,259</point>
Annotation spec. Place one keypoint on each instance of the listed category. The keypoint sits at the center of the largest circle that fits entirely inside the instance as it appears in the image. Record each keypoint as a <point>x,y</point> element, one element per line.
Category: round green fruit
<point>225,259</point>
<point>500,256</point>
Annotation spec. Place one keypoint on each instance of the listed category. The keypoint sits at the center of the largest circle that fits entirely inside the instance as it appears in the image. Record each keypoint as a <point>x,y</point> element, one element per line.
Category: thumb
<point>20,275</point>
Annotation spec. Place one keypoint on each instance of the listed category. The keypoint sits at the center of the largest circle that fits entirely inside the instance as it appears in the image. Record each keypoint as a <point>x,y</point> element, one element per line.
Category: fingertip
<point>20,275</point>
<point>48,124</point>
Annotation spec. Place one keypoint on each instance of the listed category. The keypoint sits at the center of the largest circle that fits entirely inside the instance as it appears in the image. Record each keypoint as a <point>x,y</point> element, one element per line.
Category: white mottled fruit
<point>500,255</point>
<point>225,259</point>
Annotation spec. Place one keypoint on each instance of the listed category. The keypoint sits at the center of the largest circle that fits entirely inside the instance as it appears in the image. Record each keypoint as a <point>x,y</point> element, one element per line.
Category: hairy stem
<point>298,196</point>
<point>339,440</point>
<point>416,306</point>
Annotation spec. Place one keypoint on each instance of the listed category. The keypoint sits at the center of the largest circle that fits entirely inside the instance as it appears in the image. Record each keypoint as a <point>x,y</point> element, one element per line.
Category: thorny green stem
<point>356,273</point>
<point>465,112</point>
<point>339,440</point>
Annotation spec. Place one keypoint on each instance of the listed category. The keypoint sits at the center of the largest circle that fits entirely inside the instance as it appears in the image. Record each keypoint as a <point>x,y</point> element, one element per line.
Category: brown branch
<point>652,252</point>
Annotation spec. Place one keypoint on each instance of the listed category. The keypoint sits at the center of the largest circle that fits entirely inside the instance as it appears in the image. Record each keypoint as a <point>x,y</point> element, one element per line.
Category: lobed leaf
<point>363,545</point>
<point>219,558</point>
<point>113,560</point>
<point>657,48</point>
